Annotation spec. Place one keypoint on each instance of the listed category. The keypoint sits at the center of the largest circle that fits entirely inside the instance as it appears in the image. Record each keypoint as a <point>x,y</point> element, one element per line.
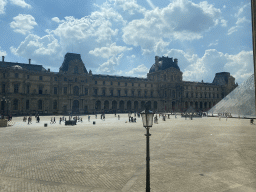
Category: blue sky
<point>122,37</point>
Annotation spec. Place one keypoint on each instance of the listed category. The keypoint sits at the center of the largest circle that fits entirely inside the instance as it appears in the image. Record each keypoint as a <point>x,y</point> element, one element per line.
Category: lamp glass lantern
<point>147,118</point>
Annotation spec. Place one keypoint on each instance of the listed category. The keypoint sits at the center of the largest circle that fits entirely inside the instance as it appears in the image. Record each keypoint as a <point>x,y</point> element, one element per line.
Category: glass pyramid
<point>240,102</point>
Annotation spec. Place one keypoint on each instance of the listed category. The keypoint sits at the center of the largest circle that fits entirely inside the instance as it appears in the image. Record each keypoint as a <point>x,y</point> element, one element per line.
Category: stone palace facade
<point>29,89</point>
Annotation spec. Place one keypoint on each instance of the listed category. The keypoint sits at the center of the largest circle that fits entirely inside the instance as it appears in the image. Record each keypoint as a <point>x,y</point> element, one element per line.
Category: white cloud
<point>233,29</point>
<point>110,51</point>
<point>23,23</point>
<point>140,71</point>
<point>180,20</point>
<point>241,9</point>
<point>98,26</point>
<point>240,19</point>
<point>2,6</point>
<point>197,68</point>
<point>2,53</point>
<point>223,22</point>
<point>130,6</point>
<point>20,3</point>
<point>57,20</point>
<point>216,42</point>
<point>240,65</point>
<point>43,50</point>
<point>108,67</point>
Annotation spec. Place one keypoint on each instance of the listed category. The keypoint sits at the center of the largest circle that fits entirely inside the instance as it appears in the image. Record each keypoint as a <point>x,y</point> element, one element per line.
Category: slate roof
<point>164,63</point>
<point>70,57</point>
<point>30,67</point>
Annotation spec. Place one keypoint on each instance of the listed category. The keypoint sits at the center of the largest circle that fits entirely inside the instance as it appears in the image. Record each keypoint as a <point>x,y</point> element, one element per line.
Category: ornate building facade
<point>30,89</point>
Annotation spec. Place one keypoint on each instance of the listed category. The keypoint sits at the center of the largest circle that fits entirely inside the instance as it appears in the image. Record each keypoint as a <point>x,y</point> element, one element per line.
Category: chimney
<point>176,61</point>
<point>49,69</point>
<point>2,58</point>
<point>29,61</point>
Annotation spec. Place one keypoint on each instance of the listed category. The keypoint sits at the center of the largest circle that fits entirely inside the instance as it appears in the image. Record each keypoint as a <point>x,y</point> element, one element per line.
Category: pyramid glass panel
<point>240,102</point>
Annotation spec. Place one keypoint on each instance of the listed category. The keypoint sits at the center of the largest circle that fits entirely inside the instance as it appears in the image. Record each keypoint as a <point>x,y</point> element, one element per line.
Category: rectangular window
<point>40,90</point>
<point>65,91</point>
<point>132,84</point>
<point>55,91</point>
<point>103,92</point>
<point>118,93</point>
<point>139,93</point>
<point>111,92</point>
<point>40,78</point>
<point>118,83</point>
<point>27,89</point>
<point>27,104</point>
<point>3,75</point>
<point>145,85</point>
<point>103,82</point>
<point>152,93</point>
<point>65,79</point>
<point>125,92</point>
<point>55,79</point>
<point>3,88</point>
<point>16,75</point>
<point>125,84</point>
<point>95,82</point>
<point>111,83</point>
<point>86,91</point>
<point>95,91</point>
<point>145,93</point>
<point>16,88</point>
<point>133,93</point>
<point>27,76</point>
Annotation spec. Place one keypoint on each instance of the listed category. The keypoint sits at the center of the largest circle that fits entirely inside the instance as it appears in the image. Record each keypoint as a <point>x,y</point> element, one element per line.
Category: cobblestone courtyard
<point>197,155</point>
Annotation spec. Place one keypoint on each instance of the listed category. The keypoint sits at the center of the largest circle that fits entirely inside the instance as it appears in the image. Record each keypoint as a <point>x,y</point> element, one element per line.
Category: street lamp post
<point>147,119</point>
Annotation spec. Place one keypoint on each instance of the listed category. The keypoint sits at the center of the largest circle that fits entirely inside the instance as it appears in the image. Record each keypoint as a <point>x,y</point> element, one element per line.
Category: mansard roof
<point>30,67</point>
<point>69,57</point>
<point>162,63</point>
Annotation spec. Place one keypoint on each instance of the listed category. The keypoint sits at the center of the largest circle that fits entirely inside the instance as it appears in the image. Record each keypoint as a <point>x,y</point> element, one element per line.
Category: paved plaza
<point>200,155</point>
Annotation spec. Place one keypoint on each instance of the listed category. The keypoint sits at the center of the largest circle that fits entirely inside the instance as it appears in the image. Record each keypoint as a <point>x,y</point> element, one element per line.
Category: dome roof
<point>162,63</point>
<point>16,67</point>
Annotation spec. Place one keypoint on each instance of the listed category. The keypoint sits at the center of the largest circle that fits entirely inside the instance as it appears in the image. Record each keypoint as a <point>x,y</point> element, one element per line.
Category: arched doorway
<point>136,105</point>
<point>149,104</point>
<point>106,105</point>
<point>142,105</point>
<point>173,105</point>
<point>75,107</point>
<point>186,105</point>
<point>129,105</point>
<point>98,105</point>
<point>205,105</point>
<point>114,105</point>
<point>121,105</point>
<point>155,105</point>
<point>196,104</point>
